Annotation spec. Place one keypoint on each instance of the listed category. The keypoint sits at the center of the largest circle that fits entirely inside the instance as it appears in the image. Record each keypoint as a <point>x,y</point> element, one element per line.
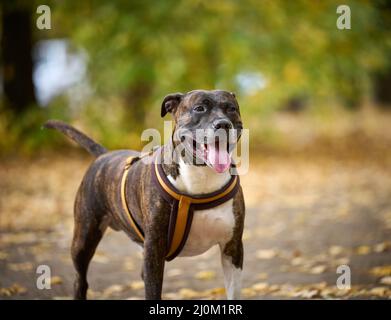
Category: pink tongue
<point>218,158</point>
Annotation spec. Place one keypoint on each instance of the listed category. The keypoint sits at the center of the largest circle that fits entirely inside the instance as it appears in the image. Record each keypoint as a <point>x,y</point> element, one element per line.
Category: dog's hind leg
<point>88,231</point>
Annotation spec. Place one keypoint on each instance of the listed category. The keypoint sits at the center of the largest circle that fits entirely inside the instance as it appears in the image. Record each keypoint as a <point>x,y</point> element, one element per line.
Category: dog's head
<point>207,126</point>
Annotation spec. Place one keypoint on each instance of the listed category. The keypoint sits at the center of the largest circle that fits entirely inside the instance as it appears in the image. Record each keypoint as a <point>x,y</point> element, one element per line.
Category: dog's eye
<point>231,109</point>
<point>199,109</point>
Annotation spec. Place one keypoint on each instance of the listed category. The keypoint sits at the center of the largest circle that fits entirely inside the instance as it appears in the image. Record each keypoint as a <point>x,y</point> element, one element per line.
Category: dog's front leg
<point>231,260</point>
<point>154,257</point>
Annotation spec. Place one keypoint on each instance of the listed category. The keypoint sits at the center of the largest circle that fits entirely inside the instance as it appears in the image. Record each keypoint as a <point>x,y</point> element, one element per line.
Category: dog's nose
<point>222,124</point>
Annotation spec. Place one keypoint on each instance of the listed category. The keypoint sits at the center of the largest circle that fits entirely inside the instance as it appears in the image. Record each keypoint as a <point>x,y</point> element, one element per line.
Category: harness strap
<point>182,205</point>
<point>181,222</point>
<point>131,220</point>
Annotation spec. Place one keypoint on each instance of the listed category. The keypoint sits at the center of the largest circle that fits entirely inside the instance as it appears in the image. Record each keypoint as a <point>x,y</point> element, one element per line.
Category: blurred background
<point>316,99</point>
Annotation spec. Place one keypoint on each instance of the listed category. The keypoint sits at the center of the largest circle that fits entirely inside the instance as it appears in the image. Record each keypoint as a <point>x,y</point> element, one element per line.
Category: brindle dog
<point>98,200</point>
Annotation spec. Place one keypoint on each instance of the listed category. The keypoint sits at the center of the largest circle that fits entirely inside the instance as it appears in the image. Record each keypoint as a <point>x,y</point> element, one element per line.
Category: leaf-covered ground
<point>306,215</point>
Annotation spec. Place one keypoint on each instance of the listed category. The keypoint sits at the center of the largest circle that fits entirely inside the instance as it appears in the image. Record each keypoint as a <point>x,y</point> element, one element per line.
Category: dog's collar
<point>182,204</point>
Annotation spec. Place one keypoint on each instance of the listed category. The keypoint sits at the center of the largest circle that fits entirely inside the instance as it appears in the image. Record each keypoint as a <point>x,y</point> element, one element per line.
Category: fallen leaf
<point>261,286</point>
<point>247,234</point>
<point>297,261</point>
<point>174,272</point>
<point>115,288</point>
<point>12,290</point>
<point>381,271</point>
<point>320,285</point>
<point>128,265</point>
<point>189,294</point>
<point>378,291</point>
<point>205,275</point>
<point>296,253</point>
<point>137,285</point>
<point>92,294</point>
<point>171,296</point>
<point>341,292</point>
<point>266,254</point>
<point>55,280</point>
<point>307,294</point>
<point>3,255</point>
<point>341,261</point>
<point>248,292</point>
<point>23,266</point>
<point>318,269</point>
<point>363,250</point>
<point>386,280</point>
<point>262,276</point>
<point>216,291</point>
<point>100,258</point>
<point>382,247</point>
<point>17,238</point>
<point>336,250</point>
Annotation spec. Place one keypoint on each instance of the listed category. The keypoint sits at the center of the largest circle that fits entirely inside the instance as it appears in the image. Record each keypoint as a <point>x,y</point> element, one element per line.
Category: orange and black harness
<point>182,205</point>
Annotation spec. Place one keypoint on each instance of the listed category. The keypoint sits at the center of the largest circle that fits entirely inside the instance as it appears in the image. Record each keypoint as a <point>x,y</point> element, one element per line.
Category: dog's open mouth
<point>215,154</point>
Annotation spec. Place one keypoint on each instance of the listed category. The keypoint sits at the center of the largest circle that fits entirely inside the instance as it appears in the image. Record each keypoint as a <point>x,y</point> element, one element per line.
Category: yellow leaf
<point>115,288</point>
<point>92,294</point>
<point>297,261</point>
<point>318,269</point>
<point>55,280</point>
<point>3,255</point>
<point>137,285</point>
<point>381,271</point>
<point>12,290</point>
<point>340,261</point>
<point>266,254</point>
<point>335,250</point>
<point>307,294</point>
<point>205,275</point>
<point>246,235</point>
<point>174,272</point>
<point>386,280</point>
<point>382,247</point>
<point>128,265</point>
<point>248,292</point>
<point>216,291</point>
<point>189,293</point>
<point>320,285</point>
<point>262,276</point>
<point>261,286</point>
<point>23,266</point>
<point>100,257</point>
<point>363,250</point>
<point>379,291</point>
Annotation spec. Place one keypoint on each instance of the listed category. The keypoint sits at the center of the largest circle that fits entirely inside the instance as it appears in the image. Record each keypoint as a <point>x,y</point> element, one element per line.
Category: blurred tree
<point>16,48</point>
<point>382,77</point>
<point>143,49</point>
<point>274,53</point>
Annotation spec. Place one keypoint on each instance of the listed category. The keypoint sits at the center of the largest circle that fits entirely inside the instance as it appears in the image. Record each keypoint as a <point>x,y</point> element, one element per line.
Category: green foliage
<point>141,50</point>
<point>155,47</point>
<point>23,133</point>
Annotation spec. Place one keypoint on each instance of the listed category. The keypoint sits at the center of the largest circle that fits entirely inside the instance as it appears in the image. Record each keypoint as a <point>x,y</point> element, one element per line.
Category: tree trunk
<point>16,47</point>
<point>382,85</point>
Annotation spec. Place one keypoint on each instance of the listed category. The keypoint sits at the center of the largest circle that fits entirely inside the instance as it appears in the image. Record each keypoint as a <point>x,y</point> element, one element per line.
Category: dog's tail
<point>87,143</point>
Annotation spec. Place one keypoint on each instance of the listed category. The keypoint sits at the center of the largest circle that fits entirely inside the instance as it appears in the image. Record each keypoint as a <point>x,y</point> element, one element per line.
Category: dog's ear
<point>170,103</point>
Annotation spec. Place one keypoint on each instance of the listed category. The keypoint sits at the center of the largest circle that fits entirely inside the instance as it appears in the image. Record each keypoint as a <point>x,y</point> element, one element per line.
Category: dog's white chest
<point>209,227</point>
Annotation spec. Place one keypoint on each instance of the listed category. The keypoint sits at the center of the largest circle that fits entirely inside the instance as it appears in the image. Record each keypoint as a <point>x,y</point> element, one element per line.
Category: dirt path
<point>304,219</point>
